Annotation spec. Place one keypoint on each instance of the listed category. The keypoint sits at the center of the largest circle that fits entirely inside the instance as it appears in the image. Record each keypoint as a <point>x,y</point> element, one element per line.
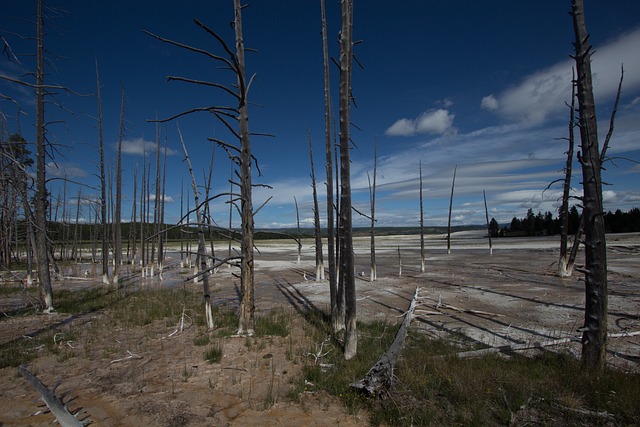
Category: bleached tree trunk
<point>202,249</point>
<point>134,216</point>
<point>399,263</point>
<point>316,217</point>
<point>453,186</point>
<point>486,214</point>
<point>331,258</point>
<point>117,255</point>
<point>42,244</point>
<point>347,257</point>
<point>299,239</point>
<point>594,337</point>
<point>103,188</point>
<point>422,256</point>
<point>564,268</point>
<point>372,195</point>
<point>247,306</point>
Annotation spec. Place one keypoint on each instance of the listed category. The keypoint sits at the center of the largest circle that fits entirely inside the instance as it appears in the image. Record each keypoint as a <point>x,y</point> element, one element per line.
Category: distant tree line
<point>544,224</point>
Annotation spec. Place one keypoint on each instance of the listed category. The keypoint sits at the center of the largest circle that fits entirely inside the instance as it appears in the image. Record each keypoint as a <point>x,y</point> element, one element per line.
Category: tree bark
<point>347,264</point>
<point>316,217</point>
<point>594,338</point>
<point>486,214</point>
<point>42,244</point>
<point>333,291</point>
<point>379,380</point>
<point>564,267</point>
<point>422,257</point>
<point>372,194</point>
<point>453,186</point>
<point>117,253</point>
<point>202,249</point>
<point>247,306</point>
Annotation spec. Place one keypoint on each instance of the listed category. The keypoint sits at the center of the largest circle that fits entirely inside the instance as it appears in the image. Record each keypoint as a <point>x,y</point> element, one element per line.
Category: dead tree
<point>333,290</point>
<point>202,249</point>
<point>422,258</point>
<point>42,244</point>
<point>486,214</point>
<point>316,217</point>
<point>372,201</point>
<point>239,154</point>
<point>299,239</point>
<point>117,253</point>
<point>379,380</point>
<point>564,267</point>
<point>594,331</point>
<point>103,188</point>
<point>347,276</point>
<point>453,186</point>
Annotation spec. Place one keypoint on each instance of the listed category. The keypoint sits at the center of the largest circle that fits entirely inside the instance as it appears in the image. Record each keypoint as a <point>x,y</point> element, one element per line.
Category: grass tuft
<point>214,353</point>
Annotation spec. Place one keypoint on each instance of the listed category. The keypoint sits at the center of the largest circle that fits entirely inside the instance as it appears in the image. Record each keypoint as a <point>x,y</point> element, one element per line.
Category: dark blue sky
<point>481,85</point>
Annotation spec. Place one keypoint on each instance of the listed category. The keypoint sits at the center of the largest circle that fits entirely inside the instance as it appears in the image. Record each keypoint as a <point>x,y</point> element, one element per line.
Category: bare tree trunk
<point>42,245</point>
<point>299,239</point>
<point>372,195</point>
<point>134,216</point>
<point>202,249</point>
<point>453,186</point>
<point>208,208</point>
<point>316,217</point>
<point>162,234</point>
<point>486,214</point>
<point>247,307</point>
<point>347,262</point>
<point>117,256</point>
<point>594,338</point>
<point>103,188</point>
<point>399,263</point>
<point>422,257</point>
<point>379,379</point>
<point>329,172</point>
<point>564,268</point>
<point>156,202</point>
<point>230,212</point>
<point>76,237</point>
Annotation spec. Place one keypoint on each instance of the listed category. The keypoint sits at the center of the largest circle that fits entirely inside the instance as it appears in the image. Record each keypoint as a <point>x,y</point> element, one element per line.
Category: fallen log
<point>55,404</point>
<point>515,347</point>
<point>379,380</point>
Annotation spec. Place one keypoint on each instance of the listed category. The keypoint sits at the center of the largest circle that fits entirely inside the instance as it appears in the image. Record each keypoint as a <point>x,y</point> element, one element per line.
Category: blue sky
<point>481,85</point>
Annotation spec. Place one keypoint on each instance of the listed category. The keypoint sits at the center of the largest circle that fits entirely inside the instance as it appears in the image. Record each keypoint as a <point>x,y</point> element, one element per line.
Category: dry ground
<point>509,297</point>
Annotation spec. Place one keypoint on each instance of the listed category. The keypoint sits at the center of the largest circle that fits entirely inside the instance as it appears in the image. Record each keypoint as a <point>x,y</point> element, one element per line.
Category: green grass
<point>434,388</point>
<point>274,323</point>
<point>214,353</point>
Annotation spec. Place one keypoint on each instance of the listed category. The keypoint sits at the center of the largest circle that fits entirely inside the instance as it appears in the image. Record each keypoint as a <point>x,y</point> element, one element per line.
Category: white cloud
<point>545,92</point>
<point>138,146</point>
<point>65,170</point>
<point>435,122</point>
<point>489,103</point>
<point>167,199</point>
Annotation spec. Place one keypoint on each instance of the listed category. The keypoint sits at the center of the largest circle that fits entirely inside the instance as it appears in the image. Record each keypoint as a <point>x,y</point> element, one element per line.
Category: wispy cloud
<point>65,170</point>
<point>545,92</point>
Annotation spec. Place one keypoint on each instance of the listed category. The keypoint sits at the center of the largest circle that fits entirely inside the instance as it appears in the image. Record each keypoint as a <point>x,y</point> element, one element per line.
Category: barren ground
<point>510,297</point>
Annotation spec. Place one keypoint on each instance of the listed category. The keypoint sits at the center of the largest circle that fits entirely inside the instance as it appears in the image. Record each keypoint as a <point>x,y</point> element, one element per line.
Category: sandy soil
<point>510,297</point>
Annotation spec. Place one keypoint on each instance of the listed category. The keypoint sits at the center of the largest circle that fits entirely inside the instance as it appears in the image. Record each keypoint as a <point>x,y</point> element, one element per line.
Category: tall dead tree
<point>347,276</point>
<point>42,244</point>
<point>453,186</point>
<point>594,337</point>
<point>372,202</point>
<point>316,217</point>
<point>202,249</point>
<point>422,257</point>
<point>331,258</point>
<point>299,239</point>
<point>239,153</point>
<point>117,252</point>
<point>564,267</point>
<point>103,188</point>
<point>486,214</point>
